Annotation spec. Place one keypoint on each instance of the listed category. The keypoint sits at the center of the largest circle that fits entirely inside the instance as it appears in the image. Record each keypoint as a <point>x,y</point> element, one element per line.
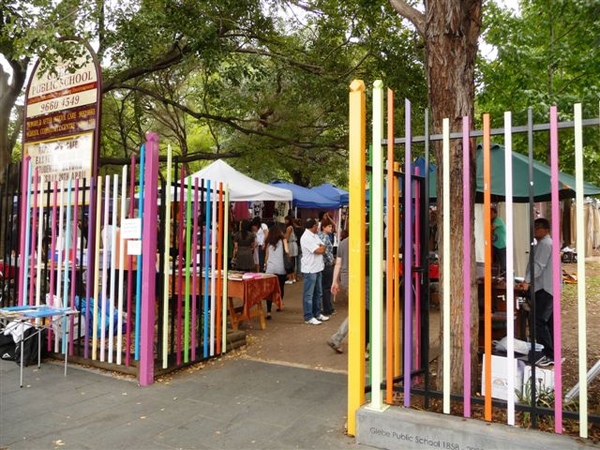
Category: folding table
<point>40,318</point>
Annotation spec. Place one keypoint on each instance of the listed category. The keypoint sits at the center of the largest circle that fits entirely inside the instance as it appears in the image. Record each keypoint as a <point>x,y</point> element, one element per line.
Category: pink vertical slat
<point>195,291</point>
<point>146,368</point>
<point>466,269</point>
<point>556,269</point>
<point>407,258</point>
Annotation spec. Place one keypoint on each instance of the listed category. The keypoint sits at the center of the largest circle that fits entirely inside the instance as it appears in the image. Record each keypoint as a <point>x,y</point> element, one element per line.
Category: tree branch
<point>196,156</point>
<point>231,121</point>
<point>408,12</point>
<point>311,68</point>
<point>173,56</point>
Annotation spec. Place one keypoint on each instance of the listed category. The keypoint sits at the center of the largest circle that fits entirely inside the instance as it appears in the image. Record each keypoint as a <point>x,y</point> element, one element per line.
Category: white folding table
<point>40,318</point>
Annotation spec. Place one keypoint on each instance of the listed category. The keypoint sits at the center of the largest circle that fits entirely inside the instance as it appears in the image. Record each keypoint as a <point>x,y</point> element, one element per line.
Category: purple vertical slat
<point>34,236</point>
<point>130,265</point>
<point>195,291</point>
<point>556,269</point>
<point>206,268</point>
<point>25,257</point>
<point>90,263</point>
<point>179,266</point>
<point>24,224</point>
<point>52,251</point>
<point>407,257</point>
<point>74,267</point>
<point>417,275</point>
<point>466,268</point>
<point>146,362</point>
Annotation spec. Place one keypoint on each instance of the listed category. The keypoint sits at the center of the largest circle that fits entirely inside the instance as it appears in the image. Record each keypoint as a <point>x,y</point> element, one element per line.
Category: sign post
<point>62,116</point>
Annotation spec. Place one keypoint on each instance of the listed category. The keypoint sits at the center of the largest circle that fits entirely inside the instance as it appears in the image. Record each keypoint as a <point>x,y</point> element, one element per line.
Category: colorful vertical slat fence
<point>79,243</point>
<point>400,371</point>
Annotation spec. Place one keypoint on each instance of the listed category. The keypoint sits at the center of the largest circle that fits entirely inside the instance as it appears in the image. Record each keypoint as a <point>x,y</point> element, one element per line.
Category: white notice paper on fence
<point>131,228</point>
<point>134,247</point>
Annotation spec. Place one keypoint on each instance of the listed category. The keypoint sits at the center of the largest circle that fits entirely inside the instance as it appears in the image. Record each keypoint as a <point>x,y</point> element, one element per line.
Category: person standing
<point>328,263</point>
<point>275,246</point>
<point>292,240</point>
<point>243,248</point>
<point>262,231</point>
<point>543,286</point>
<point>298,231</point>
<point>498,240</point>
<point>312,268</point>
<point>340,276</point>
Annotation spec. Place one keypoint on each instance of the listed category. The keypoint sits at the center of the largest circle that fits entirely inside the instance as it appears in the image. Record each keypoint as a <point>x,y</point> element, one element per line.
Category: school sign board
<point>62,116</point>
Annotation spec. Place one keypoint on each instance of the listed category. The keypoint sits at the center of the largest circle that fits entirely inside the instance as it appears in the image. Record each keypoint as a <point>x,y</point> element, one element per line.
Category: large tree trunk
<point>10,89</point>
<point>450,29</point>
<point>451,32</point>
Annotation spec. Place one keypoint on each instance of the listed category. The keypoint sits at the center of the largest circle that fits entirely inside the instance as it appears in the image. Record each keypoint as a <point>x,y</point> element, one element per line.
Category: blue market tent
<point>305,198</point>
<point>333,193</point>
<point>420,164</point>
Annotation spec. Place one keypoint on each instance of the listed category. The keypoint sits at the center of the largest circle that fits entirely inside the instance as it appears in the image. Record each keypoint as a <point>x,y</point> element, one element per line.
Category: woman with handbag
<point>276,250</point>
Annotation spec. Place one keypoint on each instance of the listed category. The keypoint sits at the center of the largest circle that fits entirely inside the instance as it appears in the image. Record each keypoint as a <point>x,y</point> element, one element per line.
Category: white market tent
<point>242,188</point>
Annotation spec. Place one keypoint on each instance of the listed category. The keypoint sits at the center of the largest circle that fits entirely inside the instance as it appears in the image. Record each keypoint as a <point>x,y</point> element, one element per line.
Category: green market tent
<point>520,175</point>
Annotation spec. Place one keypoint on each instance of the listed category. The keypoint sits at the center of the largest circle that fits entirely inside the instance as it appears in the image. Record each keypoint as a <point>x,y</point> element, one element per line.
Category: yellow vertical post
<point>396,268</point>
<point>356,259</point>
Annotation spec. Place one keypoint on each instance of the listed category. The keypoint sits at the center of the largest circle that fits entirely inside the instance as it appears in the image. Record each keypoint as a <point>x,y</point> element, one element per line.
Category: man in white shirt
<point>262,231</point>
<point>312,268</point>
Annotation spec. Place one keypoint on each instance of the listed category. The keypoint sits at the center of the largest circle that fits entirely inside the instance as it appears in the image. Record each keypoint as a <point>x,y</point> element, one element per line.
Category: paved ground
<point>227,404</point>
<point>288,340</point>
<point>285,389</point>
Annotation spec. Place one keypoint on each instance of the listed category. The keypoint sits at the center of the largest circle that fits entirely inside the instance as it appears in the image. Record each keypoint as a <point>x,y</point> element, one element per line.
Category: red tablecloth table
<point>252,291</point>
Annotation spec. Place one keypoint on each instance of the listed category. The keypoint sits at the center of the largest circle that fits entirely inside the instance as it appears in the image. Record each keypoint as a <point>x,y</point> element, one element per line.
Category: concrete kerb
<point>411,429</point>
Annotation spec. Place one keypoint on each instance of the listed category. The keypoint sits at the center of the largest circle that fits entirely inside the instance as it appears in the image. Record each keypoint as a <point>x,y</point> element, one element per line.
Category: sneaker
<point>323,318</point>
<point>337,348</point>
<point>313,321</point>
<point>289,282</point>
<point>268,316</point>
<point>544,361</point>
